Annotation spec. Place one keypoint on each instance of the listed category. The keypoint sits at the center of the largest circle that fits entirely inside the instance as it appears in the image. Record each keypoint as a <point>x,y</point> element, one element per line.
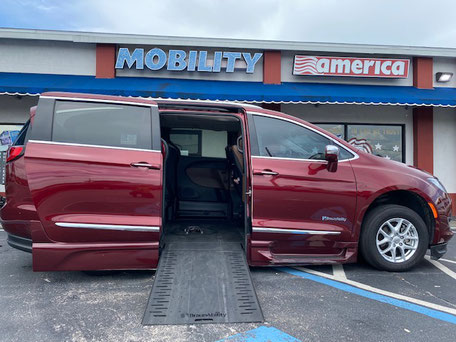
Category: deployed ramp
<point>202,282</point>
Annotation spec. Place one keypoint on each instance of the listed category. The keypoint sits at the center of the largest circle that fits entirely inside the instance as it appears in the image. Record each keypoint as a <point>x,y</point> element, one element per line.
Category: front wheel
<point>393,238</point>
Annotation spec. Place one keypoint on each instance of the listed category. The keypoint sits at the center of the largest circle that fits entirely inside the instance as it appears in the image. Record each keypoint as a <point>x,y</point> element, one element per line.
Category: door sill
<point>299,259</point>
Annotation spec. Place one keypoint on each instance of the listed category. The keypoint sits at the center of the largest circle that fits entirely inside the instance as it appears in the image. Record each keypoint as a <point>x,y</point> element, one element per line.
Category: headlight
<point>436,182</point>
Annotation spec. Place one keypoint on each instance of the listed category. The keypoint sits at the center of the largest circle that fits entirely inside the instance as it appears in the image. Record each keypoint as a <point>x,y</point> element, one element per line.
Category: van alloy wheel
<point>397,240</point>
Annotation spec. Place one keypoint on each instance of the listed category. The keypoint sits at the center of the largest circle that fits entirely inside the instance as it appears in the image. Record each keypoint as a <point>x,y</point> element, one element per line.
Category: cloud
<point>406,22</point>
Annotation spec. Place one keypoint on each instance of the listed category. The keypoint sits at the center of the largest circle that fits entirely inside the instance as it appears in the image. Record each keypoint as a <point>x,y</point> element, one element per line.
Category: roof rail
<point>229,107</point>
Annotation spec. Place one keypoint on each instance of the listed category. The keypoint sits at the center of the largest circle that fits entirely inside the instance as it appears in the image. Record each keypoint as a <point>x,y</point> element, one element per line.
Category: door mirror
<point>332,157</point>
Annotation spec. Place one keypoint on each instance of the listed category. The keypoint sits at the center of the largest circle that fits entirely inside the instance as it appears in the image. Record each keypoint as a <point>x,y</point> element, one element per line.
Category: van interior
<point>203,177</point>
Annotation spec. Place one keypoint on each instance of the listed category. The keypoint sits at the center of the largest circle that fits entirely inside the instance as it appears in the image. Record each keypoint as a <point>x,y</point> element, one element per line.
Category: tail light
<point>14,152</point>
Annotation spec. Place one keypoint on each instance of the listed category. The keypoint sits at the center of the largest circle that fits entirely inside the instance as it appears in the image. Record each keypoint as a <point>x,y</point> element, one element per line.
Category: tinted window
<point>20,138</point>
<point>102,124</point>
<point>279,138</point>
<point>201,143</point>
<point>188,141</point>
<point>337,129</point>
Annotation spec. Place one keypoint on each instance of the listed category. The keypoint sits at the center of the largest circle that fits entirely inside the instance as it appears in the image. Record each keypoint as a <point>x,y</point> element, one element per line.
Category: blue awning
<point>14,83</point>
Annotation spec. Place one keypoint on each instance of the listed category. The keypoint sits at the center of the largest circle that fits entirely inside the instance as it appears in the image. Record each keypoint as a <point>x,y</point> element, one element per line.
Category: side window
<point>200,142</point>
<point>283,139</point>
<point>188,141</point>
<point>344,154</point>
<point>102,124</point>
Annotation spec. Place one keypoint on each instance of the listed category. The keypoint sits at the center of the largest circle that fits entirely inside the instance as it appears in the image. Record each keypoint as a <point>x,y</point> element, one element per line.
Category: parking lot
<point>351,303</point>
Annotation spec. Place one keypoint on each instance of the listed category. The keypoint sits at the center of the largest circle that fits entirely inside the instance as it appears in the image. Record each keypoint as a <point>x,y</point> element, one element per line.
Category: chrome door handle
<point>265,173</point>
<point>144,164</point>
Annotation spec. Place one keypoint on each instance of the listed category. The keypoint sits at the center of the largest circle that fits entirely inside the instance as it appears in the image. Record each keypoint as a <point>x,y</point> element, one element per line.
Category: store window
<point>8,134</point>
<point>383,140</point>
<point>337,129</point>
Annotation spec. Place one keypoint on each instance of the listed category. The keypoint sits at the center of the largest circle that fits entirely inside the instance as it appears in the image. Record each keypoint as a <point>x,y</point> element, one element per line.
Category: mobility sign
<point>180,60</point>
<point>351,66</point>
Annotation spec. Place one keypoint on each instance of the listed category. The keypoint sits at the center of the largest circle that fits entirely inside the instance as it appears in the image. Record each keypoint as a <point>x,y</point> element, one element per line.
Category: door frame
<point>242,117</point>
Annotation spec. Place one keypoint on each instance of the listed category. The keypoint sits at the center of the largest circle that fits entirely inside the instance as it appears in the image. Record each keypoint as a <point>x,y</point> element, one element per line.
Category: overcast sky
<point>406,22</point>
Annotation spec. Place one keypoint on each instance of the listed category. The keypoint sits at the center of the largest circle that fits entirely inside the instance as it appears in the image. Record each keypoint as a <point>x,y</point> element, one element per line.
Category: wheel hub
<point>397,240</point>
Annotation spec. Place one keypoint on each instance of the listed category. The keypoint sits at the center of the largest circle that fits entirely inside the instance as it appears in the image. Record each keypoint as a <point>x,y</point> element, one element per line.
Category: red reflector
<point>14,152</point>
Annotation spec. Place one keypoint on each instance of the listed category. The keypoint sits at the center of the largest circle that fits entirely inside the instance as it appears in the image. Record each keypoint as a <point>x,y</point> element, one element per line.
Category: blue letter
<point>202,62</point>
<point>124,57</point>
<point>161,59</point>
<point>231,60</point>
<point>176,60</point>
<point>192,60</point>
<point>251,61</point>
<point>217,61</point>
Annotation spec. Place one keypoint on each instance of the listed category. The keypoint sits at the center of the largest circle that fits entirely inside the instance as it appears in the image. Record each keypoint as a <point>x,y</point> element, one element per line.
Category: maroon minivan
<point>101,182</point>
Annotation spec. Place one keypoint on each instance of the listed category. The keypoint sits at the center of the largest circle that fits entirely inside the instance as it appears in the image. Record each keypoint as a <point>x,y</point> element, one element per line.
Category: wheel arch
<point>409,199</point>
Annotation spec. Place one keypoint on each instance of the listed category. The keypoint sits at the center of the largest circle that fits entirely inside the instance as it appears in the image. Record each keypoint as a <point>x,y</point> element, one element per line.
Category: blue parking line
<point>261,334</point>
<point>443,316</point>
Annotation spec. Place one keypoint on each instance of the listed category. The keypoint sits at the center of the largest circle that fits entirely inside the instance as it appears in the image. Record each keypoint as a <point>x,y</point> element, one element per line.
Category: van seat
<point>236,166</point>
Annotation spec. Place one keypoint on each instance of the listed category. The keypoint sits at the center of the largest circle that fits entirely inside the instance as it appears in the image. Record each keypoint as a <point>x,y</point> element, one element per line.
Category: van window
<point>21,137</point>
<point>200,142</point>
<point>102,124</point>
<point>188,141</point>
<point>283,139</point>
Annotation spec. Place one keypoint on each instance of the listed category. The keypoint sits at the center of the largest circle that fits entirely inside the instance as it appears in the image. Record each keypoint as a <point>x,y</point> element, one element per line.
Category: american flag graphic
<point>305,65</point>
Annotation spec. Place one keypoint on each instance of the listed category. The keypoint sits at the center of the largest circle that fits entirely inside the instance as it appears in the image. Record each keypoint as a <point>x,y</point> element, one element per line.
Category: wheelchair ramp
<point>202,282</point>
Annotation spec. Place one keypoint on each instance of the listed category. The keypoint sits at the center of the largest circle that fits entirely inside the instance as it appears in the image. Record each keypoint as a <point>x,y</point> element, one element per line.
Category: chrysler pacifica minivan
<point>101,182</point>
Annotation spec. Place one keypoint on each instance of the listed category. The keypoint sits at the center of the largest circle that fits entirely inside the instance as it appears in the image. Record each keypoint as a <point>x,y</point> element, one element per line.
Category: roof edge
<point>250,44</point>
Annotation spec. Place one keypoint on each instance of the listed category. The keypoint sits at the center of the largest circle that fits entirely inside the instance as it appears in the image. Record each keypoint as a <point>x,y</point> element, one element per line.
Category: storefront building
<point>395,101</point>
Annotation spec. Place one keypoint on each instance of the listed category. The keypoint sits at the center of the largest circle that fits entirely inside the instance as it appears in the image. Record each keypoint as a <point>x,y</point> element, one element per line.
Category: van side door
<point>94,170</point>
<point>302,213</point>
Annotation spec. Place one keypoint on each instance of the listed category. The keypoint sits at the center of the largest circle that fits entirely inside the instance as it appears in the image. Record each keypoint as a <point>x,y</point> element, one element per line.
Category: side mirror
<point>332,157</point>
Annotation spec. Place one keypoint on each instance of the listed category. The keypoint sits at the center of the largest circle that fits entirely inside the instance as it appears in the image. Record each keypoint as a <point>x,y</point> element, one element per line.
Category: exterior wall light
<point>443,76</point>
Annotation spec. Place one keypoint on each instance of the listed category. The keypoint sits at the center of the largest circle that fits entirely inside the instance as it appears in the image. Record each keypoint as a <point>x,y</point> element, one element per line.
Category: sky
<point>390,22</point>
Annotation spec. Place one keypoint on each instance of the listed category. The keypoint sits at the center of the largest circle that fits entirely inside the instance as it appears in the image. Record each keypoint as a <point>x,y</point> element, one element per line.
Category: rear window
<point>102,124</point>
<point>22,136</point>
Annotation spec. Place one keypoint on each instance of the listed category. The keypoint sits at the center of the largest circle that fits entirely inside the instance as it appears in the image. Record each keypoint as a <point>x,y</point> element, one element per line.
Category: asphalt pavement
<point>321,303</point>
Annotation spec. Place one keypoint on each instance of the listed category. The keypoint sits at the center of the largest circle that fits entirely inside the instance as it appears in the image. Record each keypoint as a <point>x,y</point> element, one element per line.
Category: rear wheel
<point>393,238</point>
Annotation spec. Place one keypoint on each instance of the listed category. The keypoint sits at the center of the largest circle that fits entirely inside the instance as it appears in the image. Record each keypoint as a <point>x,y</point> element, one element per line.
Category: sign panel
<point>351,66</point>
<point>180,60</point>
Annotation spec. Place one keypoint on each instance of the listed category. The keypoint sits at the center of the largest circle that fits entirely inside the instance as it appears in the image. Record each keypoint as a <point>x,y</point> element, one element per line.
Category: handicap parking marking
<point>261,334</point>
<point>441,267</point>
<point>448,260</point>
<point>426,308</point>
<point>338,272</point>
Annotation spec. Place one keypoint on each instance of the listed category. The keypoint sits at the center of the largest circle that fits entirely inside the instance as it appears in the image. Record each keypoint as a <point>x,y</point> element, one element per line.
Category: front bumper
<point>438,251</point>
<point>20,243</point>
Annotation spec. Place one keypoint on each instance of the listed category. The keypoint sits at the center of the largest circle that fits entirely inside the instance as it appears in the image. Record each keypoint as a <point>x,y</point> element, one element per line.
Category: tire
<point>394,238</point>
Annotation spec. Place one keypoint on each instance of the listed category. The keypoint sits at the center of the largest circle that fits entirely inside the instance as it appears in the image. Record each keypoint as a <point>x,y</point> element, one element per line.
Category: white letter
<point>323,65</point>
<point>367,65</point>
<point>343,66</point>
<point>398,68</point>
<point>357,66</point>
<point>384,68</point>
<point>377,67</point>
